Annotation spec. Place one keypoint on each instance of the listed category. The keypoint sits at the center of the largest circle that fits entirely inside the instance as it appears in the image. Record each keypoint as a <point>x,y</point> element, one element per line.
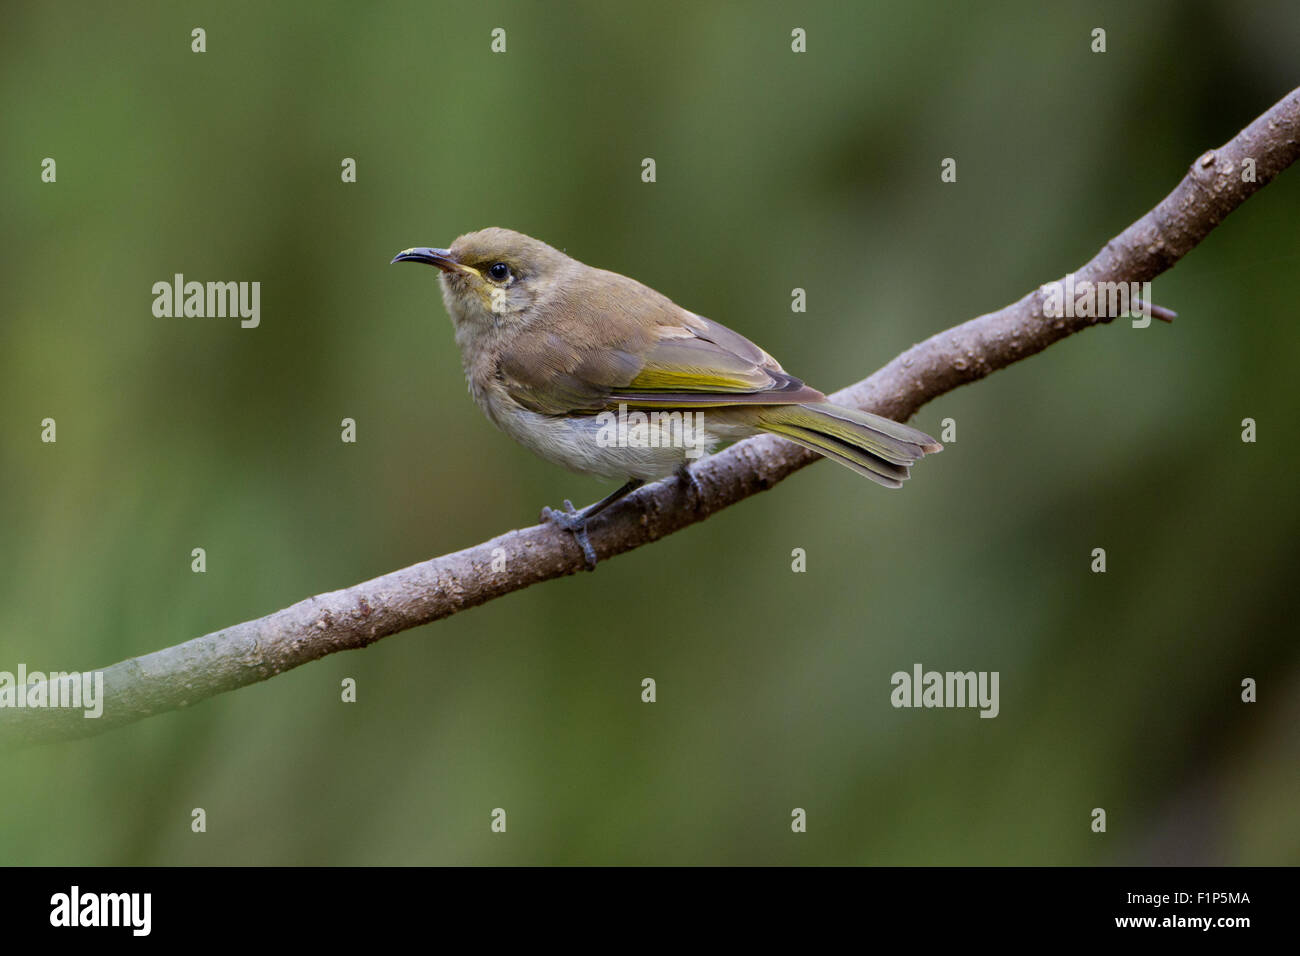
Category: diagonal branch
<point>1217,183</point>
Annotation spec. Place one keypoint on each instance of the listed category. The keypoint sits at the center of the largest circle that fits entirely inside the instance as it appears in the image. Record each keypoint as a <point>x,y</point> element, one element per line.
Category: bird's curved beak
<point>442,258</point>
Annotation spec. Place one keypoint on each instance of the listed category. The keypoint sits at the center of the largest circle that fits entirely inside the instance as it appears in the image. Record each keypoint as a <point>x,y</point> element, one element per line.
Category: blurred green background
<point>776,170</point>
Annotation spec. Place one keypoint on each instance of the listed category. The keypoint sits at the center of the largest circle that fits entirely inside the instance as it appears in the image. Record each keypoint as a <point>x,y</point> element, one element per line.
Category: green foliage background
<point>775,170</point>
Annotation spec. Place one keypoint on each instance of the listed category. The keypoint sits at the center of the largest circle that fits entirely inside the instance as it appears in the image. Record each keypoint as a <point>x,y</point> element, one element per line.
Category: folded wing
<point>643,352</point>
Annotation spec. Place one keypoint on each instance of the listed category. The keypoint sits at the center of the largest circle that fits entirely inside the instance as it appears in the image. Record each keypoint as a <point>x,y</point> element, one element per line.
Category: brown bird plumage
<point>550,346</point>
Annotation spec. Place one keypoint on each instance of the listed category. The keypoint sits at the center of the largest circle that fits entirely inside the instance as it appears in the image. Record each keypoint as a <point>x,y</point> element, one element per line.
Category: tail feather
<point>875,447</point>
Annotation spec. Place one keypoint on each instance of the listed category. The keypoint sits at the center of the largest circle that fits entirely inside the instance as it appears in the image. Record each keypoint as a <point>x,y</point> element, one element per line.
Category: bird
<point>554,351</point>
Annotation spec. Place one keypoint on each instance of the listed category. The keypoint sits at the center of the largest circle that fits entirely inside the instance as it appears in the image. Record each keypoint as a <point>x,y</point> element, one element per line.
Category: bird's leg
<point>691,483</point>
<point>575,522</point>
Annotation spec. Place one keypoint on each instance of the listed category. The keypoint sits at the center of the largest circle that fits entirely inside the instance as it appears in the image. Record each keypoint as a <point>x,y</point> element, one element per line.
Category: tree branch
<point>362,614</point>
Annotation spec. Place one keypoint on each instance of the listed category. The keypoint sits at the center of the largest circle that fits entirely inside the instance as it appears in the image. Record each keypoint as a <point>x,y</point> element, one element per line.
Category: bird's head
<point>493,276</point>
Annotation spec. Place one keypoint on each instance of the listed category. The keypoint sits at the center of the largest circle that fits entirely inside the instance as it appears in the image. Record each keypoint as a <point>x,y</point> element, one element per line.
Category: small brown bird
<point>603,375</point>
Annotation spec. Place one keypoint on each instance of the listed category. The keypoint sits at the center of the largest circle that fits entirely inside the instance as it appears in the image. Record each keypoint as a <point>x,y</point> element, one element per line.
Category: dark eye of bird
<point>499,271</point>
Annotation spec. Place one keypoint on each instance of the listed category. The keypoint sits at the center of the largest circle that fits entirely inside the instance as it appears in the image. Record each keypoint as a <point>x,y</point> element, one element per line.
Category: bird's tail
<point>873,446</point>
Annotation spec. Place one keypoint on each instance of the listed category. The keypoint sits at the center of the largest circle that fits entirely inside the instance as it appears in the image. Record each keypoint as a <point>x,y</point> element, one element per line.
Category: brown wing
<point>639,349</point>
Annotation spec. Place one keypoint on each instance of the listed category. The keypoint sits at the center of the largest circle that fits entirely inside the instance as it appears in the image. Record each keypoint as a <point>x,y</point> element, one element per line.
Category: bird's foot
<point>574,522</point>
<point>690,484</point>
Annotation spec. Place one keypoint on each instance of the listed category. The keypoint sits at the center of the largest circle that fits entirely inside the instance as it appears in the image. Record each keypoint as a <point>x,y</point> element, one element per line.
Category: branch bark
<point>358,616</point>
